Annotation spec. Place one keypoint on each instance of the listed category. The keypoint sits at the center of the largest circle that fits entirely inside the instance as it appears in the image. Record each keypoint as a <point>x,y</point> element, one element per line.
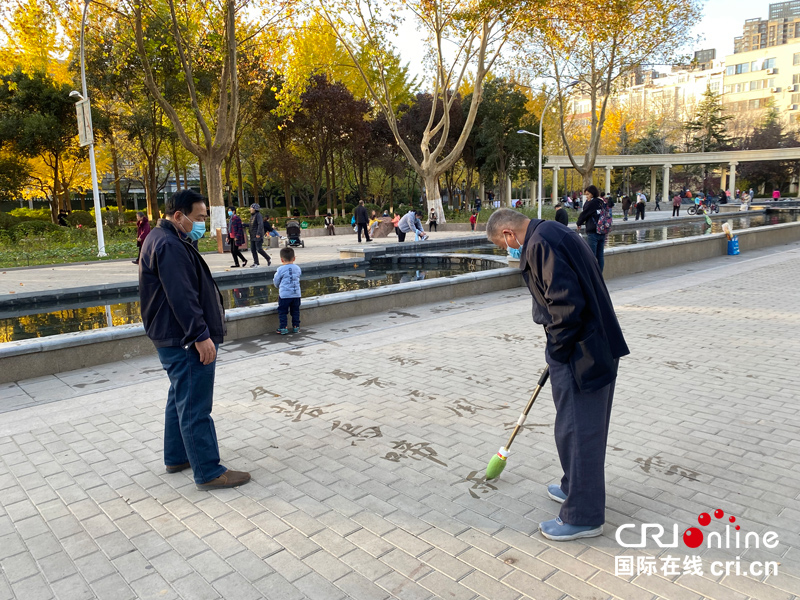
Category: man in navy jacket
<point>183,315</point>
<point>584,344</point>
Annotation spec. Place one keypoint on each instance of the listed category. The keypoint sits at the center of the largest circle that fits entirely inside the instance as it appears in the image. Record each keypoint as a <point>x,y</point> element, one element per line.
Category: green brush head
<point>497,464</point>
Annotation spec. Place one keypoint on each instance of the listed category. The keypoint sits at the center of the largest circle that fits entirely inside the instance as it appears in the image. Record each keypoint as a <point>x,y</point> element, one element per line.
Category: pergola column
<point>608,180</point>
<point>732,187</point>
<point>555,184</point>
<point>509,193</point>
<point>665,183</point>
<point>653,179</point>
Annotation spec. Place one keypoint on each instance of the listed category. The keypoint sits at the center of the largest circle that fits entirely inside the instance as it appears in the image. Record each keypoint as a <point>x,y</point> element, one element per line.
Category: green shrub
<point>34,229</point>
<point>81,217</point>
<point>7,221</point>
<point>38,214</point>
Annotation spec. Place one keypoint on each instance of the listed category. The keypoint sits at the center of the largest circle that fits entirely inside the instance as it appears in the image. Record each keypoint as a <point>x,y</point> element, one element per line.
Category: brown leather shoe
<point>229,479</point>
<point>178,468</point>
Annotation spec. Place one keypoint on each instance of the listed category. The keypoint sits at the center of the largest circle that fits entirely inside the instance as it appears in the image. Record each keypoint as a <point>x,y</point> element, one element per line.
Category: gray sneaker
<point>555,493</point>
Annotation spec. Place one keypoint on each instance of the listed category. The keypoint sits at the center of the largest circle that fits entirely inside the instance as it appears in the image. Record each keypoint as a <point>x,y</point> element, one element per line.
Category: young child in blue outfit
<point>287,280</point>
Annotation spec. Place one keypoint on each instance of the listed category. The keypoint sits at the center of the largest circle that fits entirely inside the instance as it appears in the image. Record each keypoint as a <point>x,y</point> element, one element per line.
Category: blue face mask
<point>198,230</point>
<point>230,213</point>
<point>515,253</point>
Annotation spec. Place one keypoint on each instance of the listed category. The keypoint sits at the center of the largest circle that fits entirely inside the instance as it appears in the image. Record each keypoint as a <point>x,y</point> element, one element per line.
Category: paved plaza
<point>367,439</point>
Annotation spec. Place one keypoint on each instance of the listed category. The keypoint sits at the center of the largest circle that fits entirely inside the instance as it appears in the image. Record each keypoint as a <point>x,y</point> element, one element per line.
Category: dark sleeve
<point>178,278</point>
<point>588,209</point>
<point>259,225</point>
<point>564,300</point>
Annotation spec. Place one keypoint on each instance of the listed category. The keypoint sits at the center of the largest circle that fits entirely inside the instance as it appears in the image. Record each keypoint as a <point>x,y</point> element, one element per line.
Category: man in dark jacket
<point>257,235</point>
<point>362,219</point>
<point>182,314</point>
<point>584,344</point>
<point>561,214</point>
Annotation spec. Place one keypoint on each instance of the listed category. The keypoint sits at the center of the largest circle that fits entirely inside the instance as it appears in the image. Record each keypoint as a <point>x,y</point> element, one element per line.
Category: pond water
<point>43,320</point>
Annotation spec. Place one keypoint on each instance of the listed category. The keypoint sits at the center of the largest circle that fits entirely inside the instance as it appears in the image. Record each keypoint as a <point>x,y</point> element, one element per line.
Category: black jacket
<point>361,214</point>
<point>256,226</point>
<point>571,300</point>
<point>180,302</point>
<point>591,212</point>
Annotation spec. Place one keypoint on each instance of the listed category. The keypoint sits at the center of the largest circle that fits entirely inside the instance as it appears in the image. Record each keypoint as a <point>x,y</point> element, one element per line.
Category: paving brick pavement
<point>367,439</point>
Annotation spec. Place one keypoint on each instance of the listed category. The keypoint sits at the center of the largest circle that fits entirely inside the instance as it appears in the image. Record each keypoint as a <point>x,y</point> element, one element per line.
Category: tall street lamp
<point>539,135</point>
<point>87,139</point>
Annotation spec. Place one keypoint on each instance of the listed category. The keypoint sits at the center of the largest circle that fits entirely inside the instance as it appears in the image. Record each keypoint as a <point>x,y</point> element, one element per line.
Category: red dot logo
<point>719,513</point>
<point>732,519</point>
<point>704,519</point>
<point>693,537</point>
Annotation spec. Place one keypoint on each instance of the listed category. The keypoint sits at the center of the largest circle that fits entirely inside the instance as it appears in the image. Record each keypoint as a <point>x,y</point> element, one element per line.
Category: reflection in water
<point>43,324</point>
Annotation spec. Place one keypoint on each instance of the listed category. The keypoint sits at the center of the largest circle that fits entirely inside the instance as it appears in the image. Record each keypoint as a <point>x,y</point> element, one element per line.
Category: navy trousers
<point>286,306</point>
<point>581,431</point>
<point>189,433</point>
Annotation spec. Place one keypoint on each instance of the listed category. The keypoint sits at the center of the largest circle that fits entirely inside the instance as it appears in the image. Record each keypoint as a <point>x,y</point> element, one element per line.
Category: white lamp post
<point>87,139</point>
<point>539,135</point>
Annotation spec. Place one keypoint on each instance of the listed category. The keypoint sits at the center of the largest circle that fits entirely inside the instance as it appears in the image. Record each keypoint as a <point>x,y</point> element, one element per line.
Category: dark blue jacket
<point>179,300</point>
<point>571,300</point>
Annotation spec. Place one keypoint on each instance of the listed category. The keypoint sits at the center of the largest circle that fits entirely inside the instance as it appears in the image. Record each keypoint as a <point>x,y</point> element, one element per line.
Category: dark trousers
<point>331,230</point>
<point>625,213</point>
<point>658,206</point>
<point>581,432</point>
<point>363,226</point>
<point>676,211</point>
<point>433,226</point>
<point>640,211</point>
<point>139,251</point>
<point>401,236</point>
<point>236,253</point>
<point>256,247</point>
<point>286,305</point>
<point>597,242</point>
<point>189,433</point>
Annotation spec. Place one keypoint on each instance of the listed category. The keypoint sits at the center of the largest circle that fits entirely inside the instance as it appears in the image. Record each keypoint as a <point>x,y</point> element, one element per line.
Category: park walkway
<point>367,439</point>
<point>58,277</point>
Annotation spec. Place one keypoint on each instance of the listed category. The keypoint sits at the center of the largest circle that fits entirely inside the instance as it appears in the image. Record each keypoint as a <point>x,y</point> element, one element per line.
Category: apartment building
<point>781,27</point>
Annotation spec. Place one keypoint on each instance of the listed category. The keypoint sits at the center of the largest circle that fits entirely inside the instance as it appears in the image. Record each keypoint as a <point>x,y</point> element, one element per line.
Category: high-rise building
<point>781,27</point>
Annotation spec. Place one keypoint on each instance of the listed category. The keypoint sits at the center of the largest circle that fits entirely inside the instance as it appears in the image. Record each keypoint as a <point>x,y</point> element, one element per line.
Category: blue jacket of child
<point>287,280</point>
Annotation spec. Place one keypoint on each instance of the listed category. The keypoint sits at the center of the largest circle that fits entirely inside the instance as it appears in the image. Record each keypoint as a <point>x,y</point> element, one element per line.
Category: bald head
<point>505,220</point>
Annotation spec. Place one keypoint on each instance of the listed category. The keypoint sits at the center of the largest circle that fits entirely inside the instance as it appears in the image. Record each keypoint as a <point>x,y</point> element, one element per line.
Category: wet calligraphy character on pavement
<point>294,409</point>
<point>478,483</point>
<point>360,433</point>
<point>260,391</point>
<point>418,451</point>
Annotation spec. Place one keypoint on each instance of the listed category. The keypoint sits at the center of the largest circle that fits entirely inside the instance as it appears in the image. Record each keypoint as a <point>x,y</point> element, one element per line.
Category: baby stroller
<point>293,235</point>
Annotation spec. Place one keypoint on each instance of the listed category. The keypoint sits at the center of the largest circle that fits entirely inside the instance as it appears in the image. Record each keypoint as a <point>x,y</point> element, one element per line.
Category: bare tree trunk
<point>215,200</point>
<point>176,166</point>
<point>115,167</point>
<point>239,180</point>
<point>256,185</point>
<point>434,199</point>
<point>228,161</point>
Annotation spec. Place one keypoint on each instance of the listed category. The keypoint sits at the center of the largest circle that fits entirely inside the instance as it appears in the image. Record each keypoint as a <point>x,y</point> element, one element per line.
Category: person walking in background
<point>626,206</point>
<point>473,219</point>
<point>257,235</point>
<point>594,210</point>
<point>236,238</point>
<point>641,199</point>
<point>561,214</point>
<point>329,225</point>
<point>182,314</point>
<point>287,280</point>
<point>362,219</point>
<point>676,205</point>
<point>432,220</point>
<point>583,345</point>
<point>658,202</point>
<point>142,229</point>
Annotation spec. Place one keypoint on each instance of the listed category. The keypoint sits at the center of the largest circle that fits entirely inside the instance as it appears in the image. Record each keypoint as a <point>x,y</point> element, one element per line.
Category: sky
<point>722,21</point>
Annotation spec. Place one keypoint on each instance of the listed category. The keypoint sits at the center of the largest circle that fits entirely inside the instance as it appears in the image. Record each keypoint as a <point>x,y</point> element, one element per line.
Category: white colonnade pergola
<point>665,162</point>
